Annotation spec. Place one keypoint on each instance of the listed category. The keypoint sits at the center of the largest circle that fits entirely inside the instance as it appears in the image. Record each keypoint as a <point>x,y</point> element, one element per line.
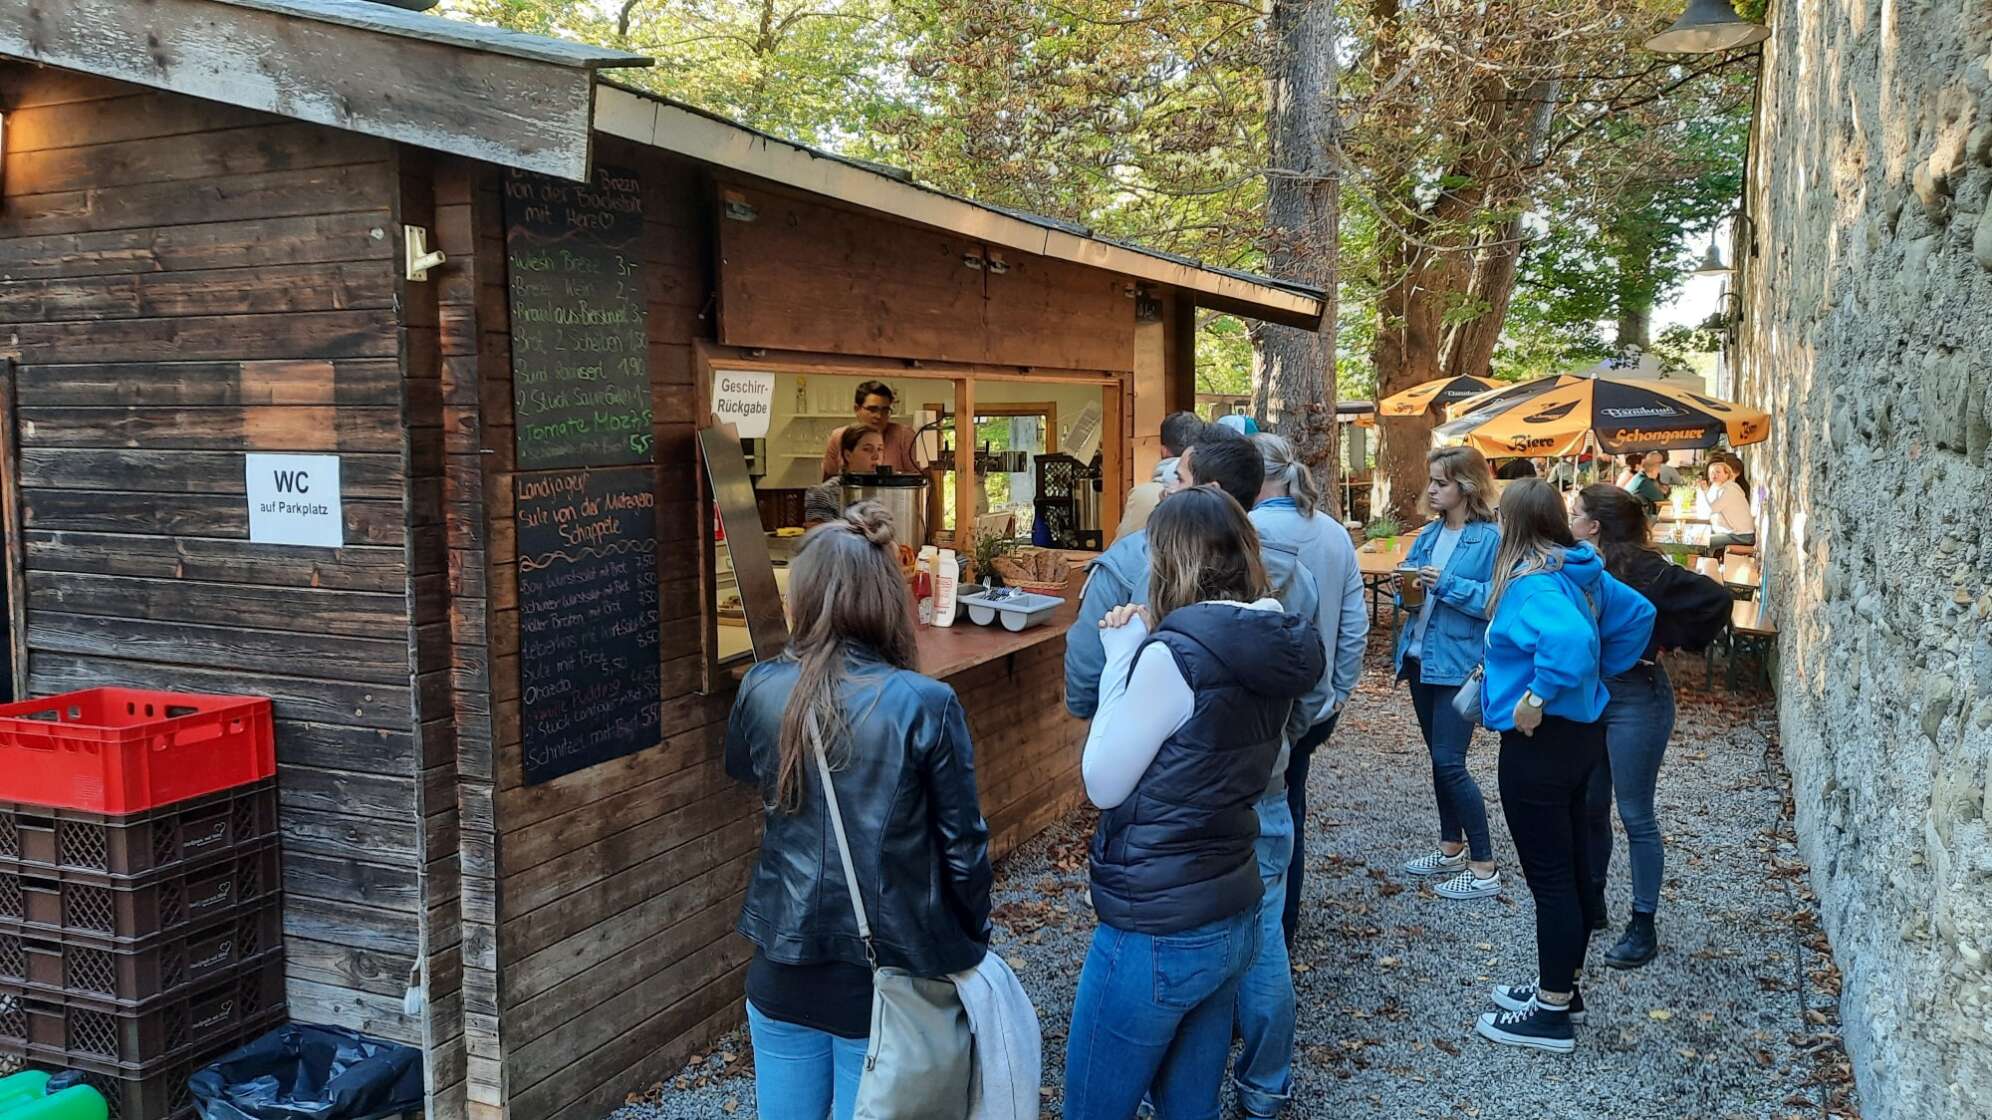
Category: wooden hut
<point>254,441</point>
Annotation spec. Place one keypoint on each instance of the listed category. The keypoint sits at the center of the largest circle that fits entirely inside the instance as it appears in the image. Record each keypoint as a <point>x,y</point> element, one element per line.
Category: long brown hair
<point>1623,530</point>
<point>1468,468</point>
<point>845,589</point>
<point>1201,546</point>
<point>1533,526</point>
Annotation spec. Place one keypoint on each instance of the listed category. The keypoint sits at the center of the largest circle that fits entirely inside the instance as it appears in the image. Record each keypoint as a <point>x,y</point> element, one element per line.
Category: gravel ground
<point>1737,1018</point>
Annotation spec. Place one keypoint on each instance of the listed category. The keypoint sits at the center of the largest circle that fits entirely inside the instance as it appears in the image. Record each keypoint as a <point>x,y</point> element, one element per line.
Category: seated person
<point>1725,505</point>
<point>859,450</point>
<point>1646,484</point>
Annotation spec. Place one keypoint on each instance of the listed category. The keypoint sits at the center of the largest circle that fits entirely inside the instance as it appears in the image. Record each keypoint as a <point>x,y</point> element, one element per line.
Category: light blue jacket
<point>1328,555</point>
<point>1561,633</point>
<point>1120,576</point>
<point>1458,626</point>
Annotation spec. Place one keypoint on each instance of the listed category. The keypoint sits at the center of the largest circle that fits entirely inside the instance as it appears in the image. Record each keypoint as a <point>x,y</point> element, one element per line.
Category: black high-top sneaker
<point>1538,1027</point>
<point>1639,944</point>
<point>1518,997</point>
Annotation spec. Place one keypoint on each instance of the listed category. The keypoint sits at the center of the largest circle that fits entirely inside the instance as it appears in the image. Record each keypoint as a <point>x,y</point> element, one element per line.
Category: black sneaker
<point>1639,944</point>
<point>1520,997</point>
<point>1536,1027</point>
<point>1602,922</point>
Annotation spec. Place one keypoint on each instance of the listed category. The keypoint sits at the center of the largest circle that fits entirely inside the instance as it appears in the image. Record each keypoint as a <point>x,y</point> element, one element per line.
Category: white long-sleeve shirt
<point>1727,510</point>
<point>1125,737</point>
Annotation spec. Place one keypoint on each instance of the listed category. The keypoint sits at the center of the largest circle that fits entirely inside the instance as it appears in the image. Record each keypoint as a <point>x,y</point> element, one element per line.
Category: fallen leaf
<point>731,1106</point>
<point>1446,1046</point>
<point>1659,1014</point>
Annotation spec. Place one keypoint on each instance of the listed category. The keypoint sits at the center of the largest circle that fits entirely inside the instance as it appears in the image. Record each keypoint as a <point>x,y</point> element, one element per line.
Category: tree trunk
<point>1635,327</point>
<point>1293,376</point>
<point>1414,341</point>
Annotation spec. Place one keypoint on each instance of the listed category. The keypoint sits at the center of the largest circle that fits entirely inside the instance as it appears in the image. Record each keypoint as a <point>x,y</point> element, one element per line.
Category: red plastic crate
<point>124,750</point>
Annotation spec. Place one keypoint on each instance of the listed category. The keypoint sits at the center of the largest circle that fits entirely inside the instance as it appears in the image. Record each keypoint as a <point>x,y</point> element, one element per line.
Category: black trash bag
<point>305,1072</point>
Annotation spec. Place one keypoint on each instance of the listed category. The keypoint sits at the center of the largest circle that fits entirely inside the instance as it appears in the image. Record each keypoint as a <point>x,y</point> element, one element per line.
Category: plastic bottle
<point>947,574</point>
<point>923,584</point>
<point>25,1085</point>
<point>78,1102</point>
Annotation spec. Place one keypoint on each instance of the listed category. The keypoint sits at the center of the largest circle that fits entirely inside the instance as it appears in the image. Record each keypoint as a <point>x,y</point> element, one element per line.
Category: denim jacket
<point>1458,626</point>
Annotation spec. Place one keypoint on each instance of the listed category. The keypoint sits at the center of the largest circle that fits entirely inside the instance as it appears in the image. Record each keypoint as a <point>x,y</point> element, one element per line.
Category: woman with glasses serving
<point>872,405</point>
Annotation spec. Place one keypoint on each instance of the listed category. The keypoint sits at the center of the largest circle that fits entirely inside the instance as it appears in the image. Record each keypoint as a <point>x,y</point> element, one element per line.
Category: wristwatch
<point>1532,700</point>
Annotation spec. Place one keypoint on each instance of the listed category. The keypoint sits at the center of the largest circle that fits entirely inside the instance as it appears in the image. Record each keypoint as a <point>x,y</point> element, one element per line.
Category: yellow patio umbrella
<point>1504,395</point>
<point>1419,399</point>
<point>1622,416</point>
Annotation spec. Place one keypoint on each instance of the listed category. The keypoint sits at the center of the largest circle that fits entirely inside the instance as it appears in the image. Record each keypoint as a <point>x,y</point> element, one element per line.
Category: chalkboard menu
<point>580,380</point>
<point>588,668</point>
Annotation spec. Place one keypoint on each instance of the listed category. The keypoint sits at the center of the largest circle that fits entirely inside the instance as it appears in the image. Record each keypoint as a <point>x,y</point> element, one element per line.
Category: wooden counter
<point>945,651</point>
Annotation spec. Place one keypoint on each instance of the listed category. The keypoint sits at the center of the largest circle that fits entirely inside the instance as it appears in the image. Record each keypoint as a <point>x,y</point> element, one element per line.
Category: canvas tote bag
<point>919,1060</point>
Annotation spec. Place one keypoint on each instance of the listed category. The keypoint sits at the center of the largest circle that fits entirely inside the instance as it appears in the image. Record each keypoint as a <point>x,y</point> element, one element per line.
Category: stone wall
<point>1867,330</point>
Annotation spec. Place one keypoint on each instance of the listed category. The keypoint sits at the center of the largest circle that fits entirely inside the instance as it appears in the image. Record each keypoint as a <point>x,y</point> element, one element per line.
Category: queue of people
<point>1214,652</point>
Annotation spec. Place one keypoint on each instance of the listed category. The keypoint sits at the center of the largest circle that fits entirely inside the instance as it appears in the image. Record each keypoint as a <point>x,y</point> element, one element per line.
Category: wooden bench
<point>1750,633</point>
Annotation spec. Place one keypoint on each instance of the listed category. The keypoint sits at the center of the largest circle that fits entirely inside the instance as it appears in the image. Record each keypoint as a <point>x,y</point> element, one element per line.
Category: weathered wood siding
<point>806,274</point>
<point>182,282</point>
<point>598,908</point>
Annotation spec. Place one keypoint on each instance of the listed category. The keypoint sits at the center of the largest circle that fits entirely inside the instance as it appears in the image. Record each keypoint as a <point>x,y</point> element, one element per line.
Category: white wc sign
<point>294,499</point>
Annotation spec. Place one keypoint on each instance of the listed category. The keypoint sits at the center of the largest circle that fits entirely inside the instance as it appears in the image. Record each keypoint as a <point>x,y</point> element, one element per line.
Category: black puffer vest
<point>1178,852</point>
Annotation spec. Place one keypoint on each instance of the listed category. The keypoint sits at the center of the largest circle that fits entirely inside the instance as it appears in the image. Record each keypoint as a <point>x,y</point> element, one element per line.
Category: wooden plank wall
<point>475,346</point>
<point>431,651</point>
<point>181,282</point>
<point>598,908</point>
<point>856,283</point>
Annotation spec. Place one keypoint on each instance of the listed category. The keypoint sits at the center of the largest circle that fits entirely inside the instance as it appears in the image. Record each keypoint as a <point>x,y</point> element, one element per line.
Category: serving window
<point>1029,431</point>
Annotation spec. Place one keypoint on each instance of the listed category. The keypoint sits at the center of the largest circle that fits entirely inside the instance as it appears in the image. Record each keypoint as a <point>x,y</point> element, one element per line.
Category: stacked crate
<point>138,945</point>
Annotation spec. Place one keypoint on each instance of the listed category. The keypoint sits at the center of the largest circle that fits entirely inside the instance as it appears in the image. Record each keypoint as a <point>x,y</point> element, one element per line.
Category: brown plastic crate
<point>133,910</point>
<point>135,975</point>
<point>159,1095</point>
<point>65,1028</point>
<point>36,838</point>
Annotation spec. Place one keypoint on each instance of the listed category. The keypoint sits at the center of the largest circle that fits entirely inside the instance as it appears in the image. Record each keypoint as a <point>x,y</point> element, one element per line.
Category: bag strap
<point>843,841</point>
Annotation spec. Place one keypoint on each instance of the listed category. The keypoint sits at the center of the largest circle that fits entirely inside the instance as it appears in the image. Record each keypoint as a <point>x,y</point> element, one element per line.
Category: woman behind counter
<point>859,451</point>
<point>905,779</point>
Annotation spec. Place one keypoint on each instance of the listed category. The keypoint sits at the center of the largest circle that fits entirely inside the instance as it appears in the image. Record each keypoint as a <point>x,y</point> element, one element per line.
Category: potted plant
<point>1383,530</point>
<point>989,546</point>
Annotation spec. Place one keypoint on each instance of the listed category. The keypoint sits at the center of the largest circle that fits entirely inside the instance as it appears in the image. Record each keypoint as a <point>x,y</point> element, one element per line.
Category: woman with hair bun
<point>904,777</point>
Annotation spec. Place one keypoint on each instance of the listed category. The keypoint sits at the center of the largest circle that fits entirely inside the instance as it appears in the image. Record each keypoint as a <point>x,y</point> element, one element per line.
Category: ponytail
<point>1284,468</point>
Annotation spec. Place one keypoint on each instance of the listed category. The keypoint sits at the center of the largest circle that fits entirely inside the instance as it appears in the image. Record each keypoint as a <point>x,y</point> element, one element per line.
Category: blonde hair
<point>1534,527</point>
<point>1201,546</point>
<point>1284,467</point>
<point>1468,468</point>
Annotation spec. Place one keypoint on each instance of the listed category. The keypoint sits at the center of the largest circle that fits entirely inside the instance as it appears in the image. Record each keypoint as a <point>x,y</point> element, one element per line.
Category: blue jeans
<point>1462,810</point>
<point>1153,1014</point>
<point>1264,1072</point>
<point>1638,720</point>
<point>802,1072</point>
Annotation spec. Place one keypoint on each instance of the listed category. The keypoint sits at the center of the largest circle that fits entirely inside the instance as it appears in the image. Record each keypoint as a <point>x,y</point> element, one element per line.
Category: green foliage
<point>1382,528</point>
<point>1146,120</point>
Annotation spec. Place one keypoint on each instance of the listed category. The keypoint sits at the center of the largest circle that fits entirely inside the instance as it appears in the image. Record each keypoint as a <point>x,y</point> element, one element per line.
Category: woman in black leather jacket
<point>905,781</point>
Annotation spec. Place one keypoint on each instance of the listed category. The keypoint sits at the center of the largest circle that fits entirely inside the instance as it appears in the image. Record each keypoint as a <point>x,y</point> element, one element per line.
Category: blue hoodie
<point>1544,638</point>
